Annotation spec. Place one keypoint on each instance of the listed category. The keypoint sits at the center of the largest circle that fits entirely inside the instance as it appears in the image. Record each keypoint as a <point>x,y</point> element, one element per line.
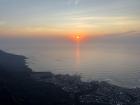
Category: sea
<point>117,62</point>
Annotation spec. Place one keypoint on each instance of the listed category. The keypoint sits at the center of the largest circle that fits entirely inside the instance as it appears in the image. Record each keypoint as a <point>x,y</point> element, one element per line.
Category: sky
<point>30,18</point>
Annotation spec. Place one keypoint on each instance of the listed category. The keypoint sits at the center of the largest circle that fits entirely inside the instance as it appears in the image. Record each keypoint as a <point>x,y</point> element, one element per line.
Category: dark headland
<point>19,85</point>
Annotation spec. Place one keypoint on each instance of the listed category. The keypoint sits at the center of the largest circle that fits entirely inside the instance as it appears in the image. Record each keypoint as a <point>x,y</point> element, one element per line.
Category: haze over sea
<point>114,59</point>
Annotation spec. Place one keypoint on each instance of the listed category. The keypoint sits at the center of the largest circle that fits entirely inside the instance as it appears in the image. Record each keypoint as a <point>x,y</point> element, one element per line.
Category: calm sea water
<point>118,64</point>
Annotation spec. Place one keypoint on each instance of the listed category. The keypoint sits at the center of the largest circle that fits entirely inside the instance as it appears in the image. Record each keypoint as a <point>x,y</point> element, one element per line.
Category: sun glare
<point>77,37</point>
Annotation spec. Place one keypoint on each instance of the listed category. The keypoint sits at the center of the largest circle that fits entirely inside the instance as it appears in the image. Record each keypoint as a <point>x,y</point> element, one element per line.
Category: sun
<point>77,37</point>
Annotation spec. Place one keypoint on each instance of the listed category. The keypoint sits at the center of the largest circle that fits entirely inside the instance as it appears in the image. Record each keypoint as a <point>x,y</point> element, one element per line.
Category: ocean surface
<point>115,63</point>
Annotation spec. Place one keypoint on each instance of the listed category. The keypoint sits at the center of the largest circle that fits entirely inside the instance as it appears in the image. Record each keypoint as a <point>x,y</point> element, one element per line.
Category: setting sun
<point>77,37</point>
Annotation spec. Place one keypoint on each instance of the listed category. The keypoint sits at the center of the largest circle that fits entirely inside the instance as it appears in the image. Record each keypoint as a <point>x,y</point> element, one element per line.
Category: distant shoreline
<point>24,65</point>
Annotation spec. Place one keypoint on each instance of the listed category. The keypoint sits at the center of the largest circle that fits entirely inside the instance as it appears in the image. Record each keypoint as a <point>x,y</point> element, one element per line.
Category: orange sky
<point>68,17</point>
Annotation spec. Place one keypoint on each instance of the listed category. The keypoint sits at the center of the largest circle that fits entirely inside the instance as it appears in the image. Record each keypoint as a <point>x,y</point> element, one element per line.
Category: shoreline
<point>78,75</point>
<point>38,75</point>
<point>78,91</point>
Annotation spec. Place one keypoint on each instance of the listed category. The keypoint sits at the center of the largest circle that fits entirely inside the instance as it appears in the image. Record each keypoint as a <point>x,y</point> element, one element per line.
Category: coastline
<point>68,90</point>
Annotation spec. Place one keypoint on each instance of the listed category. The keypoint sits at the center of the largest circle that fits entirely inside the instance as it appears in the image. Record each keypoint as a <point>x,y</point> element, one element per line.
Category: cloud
<point>76,2</point>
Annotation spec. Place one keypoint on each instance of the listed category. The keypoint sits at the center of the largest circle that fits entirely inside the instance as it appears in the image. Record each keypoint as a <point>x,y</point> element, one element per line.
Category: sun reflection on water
<point>77,55</point>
